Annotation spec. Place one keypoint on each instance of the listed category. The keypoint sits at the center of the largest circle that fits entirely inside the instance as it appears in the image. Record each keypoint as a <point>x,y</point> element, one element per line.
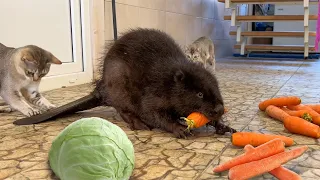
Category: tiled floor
<point>244,83</point>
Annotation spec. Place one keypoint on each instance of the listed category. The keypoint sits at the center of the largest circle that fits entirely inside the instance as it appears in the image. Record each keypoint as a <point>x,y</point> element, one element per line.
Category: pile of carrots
<point>267,157</point>
<point>266,152</point>
<point>303,119</point>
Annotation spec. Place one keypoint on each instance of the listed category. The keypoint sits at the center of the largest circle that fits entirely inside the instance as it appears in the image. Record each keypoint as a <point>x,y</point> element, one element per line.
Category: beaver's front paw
<point>181,131</point>
<point>221,129</point>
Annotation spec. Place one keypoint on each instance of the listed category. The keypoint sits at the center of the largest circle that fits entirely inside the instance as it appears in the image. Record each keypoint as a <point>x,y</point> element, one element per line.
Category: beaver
<point>147,78</point>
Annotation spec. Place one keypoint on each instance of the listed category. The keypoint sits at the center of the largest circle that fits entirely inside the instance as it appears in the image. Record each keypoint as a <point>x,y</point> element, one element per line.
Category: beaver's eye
<point>200,95</point>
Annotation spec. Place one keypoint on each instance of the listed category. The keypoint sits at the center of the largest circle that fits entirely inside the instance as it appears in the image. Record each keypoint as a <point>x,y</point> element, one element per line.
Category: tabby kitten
<point>21,70</point>
<point>202,51</point>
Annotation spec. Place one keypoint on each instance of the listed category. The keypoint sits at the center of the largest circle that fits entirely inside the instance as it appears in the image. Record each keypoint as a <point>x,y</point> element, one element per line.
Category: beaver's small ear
<point>178,76</point>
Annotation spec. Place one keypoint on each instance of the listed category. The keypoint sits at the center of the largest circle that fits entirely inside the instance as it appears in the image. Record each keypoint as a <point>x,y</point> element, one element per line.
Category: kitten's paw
<point>47,107</point>
<point>51,106</point>
<point>6,109</point>
<point>31,112</point>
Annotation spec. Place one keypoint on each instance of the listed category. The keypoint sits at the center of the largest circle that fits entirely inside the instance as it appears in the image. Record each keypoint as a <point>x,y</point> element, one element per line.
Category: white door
<point>59,26</point>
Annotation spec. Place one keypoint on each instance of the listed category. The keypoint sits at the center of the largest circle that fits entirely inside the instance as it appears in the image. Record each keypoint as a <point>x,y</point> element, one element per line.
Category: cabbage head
<point>92,149</point>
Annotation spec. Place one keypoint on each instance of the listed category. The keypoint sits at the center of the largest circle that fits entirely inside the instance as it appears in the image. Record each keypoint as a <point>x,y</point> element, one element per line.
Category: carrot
<point>280,101</point>
<point>315,107</point>
<point>265,150</point>
<point>248,148</point>
<point>196,120</point>
<point>315,116</point>
<point>256,139</point>
<point>276,113</point>
<point>304,114</point>
<point>300,126</point>
<point>254,168</point>
<point>281,172</point>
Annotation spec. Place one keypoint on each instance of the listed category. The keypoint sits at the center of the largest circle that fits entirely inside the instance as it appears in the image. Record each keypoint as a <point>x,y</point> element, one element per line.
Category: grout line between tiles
<point>229,144</point>
<point>212,161</point>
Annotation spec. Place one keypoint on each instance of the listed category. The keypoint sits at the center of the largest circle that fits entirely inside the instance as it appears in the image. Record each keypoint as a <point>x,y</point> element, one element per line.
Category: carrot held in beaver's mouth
<point>196,120</point>
<point>280,101</point>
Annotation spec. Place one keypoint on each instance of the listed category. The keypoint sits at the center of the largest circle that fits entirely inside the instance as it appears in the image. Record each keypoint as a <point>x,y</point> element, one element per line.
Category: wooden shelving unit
<point>241,37</point>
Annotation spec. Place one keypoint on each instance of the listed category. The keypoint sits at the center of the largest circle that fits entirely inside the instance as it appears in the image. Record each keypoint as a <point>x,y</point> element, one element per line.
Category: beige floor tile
<point>243,83</point>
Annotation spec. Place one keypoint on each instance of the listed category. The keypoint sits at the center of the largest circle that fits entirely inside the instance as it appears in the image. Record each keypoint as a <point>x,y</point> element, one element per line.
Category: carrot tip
<point>214,170</point>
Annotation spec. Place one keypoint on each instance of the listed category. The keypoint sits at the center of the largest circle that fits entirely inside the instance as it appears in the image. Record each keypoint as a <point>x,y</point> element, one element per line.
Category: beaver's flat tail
<point>87,102</point>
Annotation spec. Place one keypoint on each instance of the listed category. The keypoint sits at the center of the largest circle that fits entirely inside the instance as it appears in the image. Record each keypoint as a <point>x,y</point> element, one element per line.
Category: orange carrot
<point>300,126</point>
<point>315,116</point>
<point>315,107</point>
<point>254,168</point>
<point>196,120</point>
<point>281,172</point>
<point>303,113</point>
<point>280,101</point>
<point>276,113</point>
<point>265,150</point>
<point>256,139</point>
<point>248,148</point>
<point>226,110</point>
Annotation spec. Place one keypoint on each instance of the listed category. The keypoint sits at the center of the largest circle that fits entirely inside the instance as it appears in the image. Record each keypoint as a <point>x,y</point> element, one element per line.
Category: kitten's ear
<point>178,76</point>
<point>55,60</point>
<point>198,49</point>
<point>28,59</point>
<point>26,56</point>
<point>186,48</point>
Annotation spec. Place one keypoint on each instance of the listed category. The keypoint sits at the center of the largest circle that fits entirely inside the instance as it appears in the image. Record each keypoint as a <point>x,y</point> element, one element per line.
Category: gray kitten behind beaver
<point>147,78</point>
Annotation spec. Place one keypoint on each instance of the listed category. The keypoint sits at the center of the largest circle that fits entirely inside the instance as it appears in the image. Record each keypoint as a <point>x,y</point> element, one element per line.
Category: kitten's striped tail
<point>90,101</point>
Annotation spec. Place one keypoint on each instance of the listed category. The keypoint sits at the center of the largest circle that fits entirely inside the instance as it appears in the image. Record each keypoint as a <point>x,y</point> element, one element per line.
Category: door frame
<point>89,27</point>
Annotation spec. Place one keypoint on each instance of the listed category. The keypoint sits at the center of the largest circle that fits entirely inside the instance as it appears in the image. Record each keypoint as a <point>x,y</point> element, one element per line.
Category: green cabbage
<point>92,149</point>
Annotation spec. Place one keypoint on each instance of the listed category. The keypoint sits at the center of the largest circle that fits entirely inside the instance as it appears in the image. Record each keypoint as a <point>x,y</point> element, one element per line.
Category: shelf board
<point>259,47</point>
<point>287,2</point>
<point>272,34</point>
<point>271,18</point>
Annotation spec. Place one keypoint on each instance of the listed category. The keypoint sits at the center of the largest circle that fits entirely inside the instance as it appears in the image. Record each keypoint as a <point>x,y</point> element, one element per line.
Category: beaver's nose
<point>218,110</point>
